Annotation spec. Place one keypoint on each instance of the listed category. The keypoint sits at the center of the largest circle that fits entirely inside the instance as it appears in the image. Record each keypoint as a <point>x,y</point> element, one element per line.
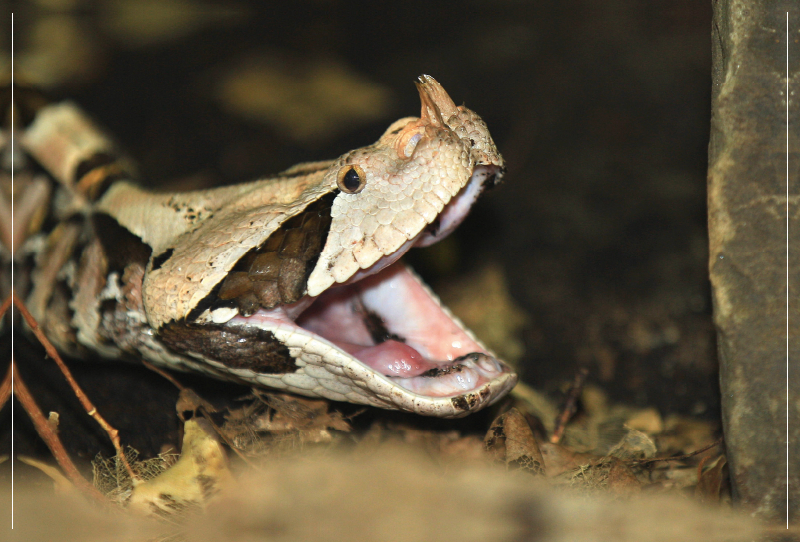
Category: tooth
<point>488,364</point>
<point>222,315</point>
<point>466,379</point>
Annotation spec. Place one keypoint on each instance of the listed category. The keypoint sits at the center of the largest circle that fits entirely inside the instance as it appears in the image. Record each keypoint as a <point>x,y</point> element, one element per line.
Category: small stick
<point>165,374</point>
<point>91,410</point>
<point>5,386</point>
<point>5,389</point>
<point>681,457</point>
<point>570,406</point>
<point>203,410</point>
<point>50,437</point>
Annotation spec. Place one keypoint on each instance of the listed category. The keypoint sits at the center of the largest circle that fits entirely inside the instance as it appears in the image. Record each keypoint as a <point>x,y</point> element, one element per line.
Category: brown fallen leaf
<point>559,459</point>
<point>273,420</point>
<point>621,479</point>
<point>609,475</point>
<point>200,474</point>
<point>510,440</point>
<point>710,481</point>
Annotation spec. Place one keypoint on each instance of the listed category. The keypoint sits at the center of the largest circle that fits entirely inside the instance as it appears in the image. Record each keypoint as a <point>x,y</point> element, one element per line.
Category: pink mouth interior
<point>429,339</point>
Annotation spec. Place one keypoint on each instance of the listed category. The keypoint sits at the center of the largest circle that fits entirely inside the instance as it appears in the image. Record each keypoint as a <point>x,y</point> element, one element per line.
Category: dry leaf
<point>621,479</point>
<point>511,441</point>
<point>558,459</point>
<point>709,482</point>
<point>273,420</point>
<point>200,474</point>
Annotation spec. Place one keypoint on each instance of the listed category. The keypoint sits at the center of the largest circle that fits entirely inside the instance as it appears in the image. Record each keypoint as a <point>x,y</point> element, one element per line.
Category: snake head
<point>413,187</point>
<point>288,282</point>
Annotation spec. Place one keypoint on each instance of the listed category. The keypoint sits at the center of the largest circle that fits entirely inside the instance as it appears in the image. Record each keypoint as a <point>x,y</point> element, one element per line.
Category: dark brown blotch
<point>292,281</point>
<point>239,347</point>
<point>235,285</point>
<point>265,266</point>
<point>460,403</point>
<point>278,270</point>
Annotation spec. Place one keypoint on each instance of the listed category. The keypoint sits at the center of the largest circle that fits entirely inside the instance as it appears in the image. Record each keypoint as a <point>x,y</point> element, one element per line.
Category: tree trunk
<point>747,198</point>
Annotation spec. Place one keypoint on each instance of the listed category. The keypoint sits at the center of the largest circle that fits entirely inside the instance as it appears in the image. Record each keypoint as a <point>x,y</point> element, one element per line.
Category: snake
<point>290,282</point>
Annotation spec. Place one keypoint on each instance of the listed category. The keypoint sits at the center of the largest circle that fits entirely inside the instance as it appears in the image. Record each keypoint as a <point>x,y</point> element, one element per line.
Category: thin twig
<point>165,374</point>
<point>5,389</point>
<point>50,437</point>
<point>680,457</point>
<point>5,386</point>
<point>570,406</point>
<point>84,400</point>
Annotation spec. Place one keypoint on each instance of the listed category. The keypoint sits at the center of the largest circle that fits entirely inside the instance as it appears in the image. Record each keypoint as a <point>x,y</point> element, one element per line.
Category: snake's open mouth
<point>395,326</point>
<point>391,323</point>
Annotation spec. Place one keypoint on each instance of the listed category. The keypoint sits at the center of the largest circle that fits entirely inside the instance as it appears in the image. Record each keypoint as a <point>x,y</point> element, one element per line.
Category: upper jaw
<point>451,216</point>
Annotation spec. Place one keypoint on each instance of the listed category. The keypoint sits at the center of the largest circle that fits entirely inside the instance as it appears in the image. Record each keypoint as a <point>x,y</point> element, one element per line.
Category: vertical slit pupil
<point>352,180</point>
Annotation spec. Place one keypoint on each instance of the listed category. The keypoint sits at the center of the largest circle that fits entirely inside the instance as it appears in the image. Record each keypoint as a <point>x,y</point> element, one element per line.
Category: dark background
<point>600,108</point>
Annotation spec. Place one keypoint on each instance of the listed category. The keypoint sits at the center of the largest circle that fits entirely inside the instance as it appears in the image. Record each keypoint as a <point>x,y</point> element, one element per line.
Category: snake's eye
<point>352,179</point>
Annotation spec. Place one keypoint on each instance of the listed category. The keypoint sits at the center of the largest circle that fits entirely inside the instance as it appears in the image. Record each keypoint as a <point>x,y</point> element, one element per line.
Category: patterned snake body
<point>288,282</point>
